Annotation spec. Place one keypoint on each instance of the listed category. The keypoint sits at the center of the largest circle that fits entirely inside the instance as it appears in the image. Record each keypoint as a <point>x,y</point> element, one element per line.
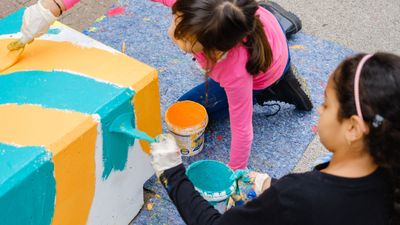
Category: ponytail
<point>260,53</point>
<point>380,104</point>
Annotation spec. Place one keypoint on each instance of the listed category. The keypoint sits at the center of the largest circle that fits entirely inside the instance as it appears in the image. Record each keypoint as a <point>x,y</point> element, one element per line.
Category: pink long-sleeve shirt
<point>70,3</point>
<point>232,75</point>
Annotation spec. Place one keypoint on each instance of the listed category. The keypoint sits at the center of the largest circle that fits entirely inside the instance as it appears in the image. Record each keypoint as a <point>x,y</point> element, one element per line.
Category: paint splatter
<point>116,11</point>
<point>150,206</point>
<point>298,47</point>
<point>175,61</point>
<point>219,137</point>
<point>54,31</point>
<point>92,29</point>
<point>101,18</point>
<point>314,129</point>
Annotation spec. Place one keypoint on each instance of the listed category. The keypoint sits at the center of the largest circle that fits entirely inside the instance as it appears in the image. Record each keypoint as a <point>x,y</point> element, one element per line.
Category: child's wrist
<point>262,182</point>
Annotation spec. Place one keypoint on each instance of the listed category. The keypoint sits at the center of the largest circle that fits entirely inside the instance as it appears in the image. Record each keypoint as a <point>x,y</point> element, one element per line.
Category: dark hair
<point>220,25</point>
<point>379,97</point>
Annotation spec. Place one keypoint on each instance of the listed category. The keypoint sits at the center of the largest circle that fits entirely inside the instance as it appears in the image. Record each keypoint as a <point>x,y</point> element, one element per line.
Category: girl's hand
<point>36,21</point>
<point>165,153</point>
<point>249,185</point>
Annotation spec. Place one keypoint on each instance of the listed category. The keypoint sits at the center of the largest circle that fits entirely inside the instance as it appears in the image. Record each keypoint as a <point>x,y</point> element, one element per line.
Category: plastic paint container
<point>187,120</point>
<point>212,179</point>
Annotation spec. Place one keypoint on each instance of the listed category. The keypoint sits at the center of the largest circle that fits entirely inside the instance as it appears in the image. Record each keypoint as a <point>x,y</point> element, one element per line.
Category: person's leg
<point>217,103</point>
<point>289,22</point>
<point>291,88</point>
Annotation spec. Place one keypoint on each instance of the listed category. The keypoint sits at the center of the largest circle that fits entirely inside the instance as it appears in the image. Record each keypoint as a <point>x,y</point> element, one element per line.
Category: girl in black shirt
<point>359,123</point>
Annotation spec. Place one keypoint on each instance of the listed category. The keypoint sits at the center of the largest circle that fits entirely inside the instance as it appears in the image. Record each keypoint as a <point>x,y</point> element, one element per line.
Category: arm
<point>195,210</point>
<point>167,163</point>
<point>168,3</point>
<point>38,18</point>
<point>67,4</point>
<point>240,100</point>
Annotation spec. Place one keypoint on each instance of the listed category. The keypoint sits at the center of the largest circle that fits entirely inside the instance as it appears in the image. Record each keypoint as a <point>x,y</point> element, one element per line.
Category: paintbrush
<point>10,56</point>
<point>123,47</point>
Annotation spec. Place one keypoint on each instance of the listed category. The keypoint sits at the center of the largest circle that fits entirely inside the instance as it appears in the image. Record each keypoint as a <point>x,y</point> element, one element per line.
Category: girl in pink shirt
<point>244,52</point>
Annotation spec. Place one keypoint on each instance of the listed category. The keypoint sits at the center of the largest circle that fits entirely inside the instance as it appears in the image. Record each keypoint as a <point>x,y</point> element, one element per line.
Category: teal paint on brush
<point>66,91</point>
<point>12,23</point>
<point>27,186</point>
<point>124,124</point>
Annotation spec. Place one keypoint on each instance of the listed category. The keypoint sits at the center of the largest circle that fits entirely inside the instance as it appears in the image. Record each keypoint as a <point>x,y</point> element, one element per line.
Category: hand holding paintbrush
<point>37,20</point>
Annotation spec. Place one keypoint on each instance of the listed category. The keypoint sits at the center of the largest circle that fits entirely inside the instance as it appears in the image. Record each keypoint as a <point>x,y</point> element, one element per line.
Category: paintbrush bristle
<point>15,45</point>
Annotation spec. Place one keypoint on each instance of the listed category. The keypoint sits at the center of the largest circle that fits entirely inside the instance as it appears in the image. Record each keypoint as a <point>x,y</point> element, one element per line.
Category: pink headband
<point>357,84</point>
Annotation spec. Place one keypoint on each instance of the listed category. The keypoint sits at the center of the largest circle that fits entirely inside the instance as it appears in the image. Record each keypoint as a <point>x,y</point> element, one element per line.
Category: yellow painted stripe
<point>71,137</point>
<point>116,68</point>
<point>145,101</point>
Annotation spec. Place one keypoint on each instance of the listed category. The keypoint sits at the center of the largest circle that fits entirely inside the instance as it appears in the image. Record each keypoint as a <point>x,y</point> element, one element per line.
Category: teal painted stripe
<point>58,90</point>
<point>12,23</point>
<point>115,145</point>
<point>65,91</point>
<point>27,186</point>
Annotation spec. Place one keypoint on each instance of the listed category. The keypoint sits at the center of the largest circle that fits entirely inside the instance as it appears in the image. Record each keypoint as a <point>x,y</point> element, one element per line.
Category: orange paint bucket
<point>187,120</point>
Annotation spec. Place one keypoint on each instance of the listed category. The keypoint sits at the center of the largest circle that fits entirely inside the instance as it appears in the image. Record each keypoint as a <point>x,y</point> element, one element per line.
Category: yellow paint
<point>9,58</point>
<point>116,68</point>
<point>71,137</point>
<point>150,206</point>
<point>147,111</point>
<point>75,179</point>
<point>297,47</point>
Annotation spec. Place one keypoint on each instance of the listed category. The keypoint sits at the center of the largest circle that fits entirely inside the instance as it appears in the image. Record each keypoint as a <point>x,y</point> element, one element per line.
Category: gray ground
<point>368,25</point>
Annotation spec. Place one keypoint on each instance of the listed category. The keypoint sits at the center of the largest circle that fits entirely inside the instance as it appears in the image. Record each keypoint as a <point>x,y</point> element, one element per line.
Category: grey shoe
<point>291,88</point>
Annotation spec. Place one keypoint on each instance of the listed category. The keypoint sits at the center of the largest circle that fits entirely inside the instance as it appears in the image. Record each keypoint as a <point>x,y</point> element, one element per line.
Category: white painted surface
<point>119,198</point>
<point>68,35</point>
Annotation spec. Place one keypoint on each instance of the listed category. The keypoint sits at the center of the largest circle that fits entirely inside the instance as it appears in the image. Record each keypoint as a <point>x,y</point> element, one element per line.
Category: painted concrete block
<point>59,161</point>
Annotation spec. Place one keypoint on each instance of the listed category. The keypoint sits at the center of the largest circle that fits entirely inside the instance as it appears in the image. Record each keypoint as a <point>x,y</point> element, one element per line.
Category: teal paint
<point>54,31</point>
<point>27,186</point>
<point>58,90</point>
<point>66,91</point>
<point>115,145</point>
<point>210,176</point>
<point>12,23</point>
<point>124,124</point>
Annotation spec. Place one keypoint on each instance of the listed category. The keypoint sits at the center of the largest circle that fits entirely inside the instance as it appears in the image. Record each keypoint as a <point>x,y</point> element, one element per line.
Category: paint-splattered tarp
<point>279,141</point>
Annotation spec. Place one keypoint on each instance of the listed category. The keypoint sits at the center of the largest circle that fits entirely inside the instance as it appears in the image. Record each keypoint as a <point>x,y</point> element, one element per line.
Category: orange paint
<point>71,137</point>
<point>116,68</point>
<point>75,178</point>
<point>185,114</point>
<point>9,58</point>
<point>147,112</point>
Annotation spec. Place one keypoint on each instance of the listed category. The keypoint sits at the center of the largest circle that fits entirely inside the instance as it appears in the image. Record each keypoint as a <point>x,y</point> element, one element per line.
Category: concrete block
<point>61,161</point>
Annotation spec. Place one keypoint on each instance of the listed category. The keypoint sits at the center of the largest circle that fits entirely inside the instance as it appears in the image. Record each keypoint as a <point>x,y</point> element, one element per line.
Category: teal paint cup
<point>213,180</point>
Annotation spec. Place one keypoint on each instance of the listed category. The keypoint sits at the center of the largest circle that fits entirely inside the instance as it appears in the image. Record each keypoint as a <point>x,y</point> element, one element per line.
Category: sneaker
<point>290,23</point>
<point>291,88</point>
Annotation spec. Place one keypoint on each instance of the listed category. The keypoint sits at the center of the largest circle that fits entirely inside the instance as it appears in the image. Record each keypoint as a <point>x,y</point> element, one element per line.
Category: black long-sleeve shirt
<point>309,198</point>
